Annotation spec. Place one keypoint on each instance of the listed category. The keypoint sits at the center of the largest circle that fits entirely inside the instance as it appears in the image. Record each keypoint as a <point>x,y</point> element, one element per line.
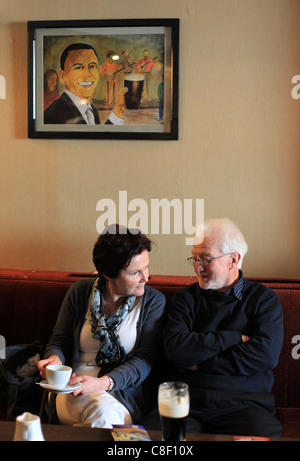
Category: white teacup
<point>58,375</point>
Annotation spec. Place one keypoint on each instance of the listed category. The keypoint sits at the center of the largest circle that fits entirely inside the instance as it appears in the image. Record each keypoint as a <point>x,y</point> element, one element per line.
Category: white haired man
<point>223,336</point>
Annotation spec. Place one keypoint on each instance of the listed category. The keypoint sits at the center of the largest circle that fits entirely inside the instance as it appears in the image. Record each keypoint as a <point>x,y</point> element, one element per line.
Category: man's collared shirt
<point>81,105</point>
<point>237,289</point>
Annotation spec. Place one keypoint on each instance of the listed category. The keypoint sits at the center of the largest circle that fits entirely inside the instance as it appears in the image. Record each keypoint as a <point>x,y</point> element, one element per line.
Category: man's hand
<point>192,368</point>
<point>121,104</point>
<point>245,338</point>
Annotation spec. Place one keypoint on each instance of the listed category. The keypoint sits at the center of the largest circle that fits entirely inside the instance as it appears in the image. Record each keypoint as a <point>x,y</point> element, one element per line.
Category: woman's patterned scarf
<point>111,353</point>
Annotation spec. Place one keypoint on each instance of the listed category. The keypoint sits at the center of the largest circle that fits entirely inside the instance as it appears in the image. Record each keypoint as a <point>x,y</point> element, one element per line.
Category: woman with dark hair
<point>51,92</point>
<point>108,331</point>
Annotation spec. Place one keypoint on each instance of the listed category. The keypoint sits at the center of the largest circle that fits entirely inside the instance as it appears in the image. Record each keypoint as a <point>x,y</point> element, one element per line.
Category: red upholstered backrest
<point>287,373</point>
<point>30,302</point>
<point>29,309</point>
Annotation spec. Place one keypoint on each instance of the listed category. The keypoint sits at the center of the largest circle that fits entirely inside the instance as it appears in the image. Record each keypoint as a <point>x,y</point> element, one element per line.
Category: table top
<point>53,432</point>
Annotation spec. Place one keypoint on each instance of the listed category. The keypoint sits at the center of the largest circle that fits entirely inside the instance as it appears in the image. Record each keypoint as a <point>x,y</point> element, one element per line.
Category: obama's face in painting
<point>80,73</point>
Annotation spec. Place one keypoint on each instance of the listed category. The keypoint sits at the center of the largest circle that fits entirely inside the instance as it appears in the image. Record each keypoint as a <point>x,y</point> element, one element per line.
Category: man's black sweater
<point>205,328</point>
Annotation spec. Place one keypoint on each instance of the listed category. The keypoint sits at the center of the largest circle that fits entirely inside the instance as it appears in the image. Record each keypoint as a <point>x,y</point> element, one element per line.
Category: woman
<point>108,331</point>
<point>51,92</point>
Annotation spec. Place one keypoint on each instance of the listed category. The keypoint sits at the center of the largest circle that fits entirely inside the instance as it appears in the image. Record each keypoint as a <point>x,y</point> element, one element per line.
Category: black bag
<point>20,394</point>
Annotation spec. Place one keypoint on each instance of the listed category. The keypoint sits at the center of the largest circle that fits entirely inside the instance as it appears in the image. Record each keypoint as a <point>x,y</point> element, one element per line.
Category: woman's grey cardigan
<point>129,375</point>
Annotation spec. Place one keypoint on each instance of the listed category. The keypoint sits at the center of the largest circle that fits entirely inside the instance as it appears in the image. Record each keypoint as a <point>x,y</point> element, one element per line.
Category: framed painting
<point>103,79</point>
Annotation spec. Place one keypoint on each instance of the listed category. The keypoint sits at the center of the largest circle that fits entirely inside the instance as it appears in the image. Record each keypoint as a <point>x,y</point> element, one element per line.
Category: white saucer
<point>63,390</point>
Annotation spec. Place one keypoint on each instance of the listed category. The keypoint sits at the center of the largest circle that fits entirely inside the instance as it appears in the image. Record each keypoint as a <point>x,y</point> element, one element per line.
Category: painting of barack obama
<point>79,72</point>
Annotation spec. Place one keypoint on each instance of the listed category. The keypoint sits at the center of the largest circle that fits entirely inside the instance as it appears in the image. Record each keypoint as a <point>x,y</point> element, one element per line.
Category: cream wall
<point>238,149</point>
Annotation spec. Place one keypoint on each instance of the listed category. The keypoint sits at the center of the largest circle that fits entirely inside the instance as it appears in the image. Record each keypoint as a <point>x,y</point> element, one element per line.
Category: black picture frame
<point>46,41</point>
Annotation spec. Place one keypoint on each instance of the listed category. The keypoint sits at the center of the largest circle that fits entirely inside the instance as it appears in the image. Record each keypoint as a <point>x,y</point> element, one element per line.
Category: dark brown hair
<point>74,46</point>
<point>116,246</point>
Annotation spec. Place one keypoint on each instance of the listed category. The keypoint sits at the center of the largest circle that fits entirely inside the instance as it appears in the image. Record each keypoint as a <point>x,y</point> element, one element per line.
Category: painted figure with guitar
<point>127,62</point>
<point>145,66</point>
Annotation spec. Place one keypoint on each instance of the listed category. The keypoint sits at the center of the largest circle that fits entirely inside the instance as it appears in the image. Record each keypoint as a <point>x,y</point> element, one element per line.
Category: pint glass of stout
<point>174,406</point>
<point>134,83</point>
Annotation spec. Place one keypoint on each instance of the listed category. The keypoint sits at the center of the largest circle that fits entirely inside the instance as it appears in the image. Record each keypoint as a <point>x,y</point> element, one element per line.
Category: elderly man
<point>223,336</point>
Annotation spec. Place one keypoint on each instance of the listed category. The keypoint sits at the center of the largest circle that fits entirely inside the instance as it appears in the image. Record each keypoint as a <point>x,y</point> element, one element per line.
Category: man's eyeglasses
<point>204,261</point>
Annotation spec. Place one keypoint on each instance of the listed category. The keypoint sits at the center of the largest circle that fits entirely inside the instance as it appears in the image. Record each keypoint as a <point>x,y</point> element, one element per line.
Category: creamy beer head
<point>134,77</point>
<point>173,400</point>
<point>168,409</point>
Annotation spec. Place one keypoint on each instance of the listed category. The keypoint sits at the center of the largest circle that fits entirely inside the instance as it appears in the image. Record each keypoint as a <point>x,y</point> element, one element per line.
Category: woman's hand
<point>42,364</point>
<point>89,384</point>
